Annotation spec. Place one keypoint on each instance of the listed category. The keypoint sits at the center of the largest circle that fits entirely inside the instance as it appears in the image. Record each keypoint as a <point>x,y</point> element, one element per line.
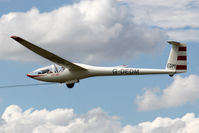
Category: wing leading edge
<point>48,55</point>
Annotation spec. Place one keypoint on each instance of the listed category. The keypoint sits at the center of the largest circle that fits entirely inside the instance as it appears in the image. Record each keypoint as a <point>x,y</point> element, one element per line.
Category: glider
<point>64,71</point>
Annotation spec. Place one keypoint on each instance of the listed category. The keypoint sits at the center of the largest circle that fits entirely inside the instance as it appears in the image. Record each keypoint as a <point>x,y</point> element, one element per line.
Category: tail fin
<point>178,57</point>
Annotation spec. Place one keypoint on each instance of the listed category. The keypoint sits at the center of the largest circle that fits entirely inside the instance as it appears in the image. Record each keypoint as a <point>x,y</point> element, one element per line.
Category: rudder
<point>177,58</point>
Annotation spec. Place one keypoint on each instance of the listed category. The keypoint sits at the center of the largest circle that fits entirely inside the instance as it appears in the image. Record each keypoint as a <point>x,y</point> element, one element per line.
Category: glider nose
<point>32,76</point>
<point>28,75</point>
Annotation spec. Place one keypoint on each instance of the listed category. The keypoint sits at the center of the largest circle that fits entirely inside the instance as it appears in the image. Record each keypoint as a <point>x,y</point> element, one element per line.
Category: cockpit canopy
<point>48,69</point>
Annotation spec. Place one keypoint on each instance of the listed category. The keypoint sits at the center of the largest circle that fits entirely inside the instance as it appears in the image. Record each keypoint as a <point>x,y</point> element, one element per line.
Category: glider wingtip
<point>14,37</point>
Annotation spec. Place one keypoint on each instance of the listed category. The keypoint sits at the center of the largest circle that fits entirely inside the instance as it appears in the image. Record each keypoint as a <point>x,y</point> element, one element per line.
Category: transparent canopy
<point>48,69</point>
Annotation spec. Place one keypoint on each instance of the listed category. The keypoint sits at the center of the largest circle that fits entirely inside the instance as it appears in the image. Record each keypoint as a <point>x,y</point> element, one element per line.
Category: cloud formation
<point>181,91</point>
<point>187,124</point>
<point>88,31</point>
<point>173,16</point>
<point>92,31</point>
<point>15,120</point>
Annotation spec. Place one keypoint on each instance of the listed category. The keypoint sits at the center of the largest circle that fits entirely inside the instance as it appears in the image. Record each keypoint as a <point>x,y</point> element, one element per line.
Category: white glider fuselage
<point>67,76</point>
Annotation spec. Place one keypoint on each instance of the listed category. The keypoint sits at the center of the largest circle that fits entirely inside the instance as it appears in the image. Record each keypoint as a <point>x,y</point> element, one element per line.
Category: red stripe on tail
<point>181,67</point>
<point>182,58</point>
<point>182,49</point>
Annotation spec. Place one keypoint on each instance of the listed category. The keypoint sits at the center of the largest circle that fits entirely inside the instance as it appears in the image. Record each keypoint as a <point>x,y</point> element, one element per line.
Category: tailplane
<point>177,58</point>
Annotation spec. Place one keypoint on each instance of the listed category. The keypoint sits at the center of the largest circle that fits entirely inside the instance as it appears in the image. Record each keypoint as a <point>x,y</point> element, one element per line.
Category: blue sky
<point>115,95</point>
<point>23,5</point>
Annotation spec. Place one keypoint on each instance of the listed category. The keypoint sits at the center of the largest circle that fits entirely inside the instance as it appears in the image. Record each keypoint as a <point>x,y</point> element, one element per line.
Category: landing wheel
<point>70,85</point>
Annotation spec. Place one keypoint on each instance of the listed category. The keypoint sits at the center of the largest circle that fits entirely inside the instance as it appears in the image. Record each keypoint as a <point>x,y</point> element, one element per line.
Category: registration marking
<point>125,71</point>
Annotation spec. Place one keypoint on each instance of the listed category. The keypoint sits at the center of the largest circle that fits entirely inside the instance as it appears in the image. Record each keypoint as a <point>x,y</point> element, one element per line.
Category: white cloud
<point>187,124</point>
<point>171,15</point>
<point>181,91</point>
<point>15,120</point>
<point>88,31</point>
<point>92,31</point>
<point>166,14</point>
<point>184,35</point>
